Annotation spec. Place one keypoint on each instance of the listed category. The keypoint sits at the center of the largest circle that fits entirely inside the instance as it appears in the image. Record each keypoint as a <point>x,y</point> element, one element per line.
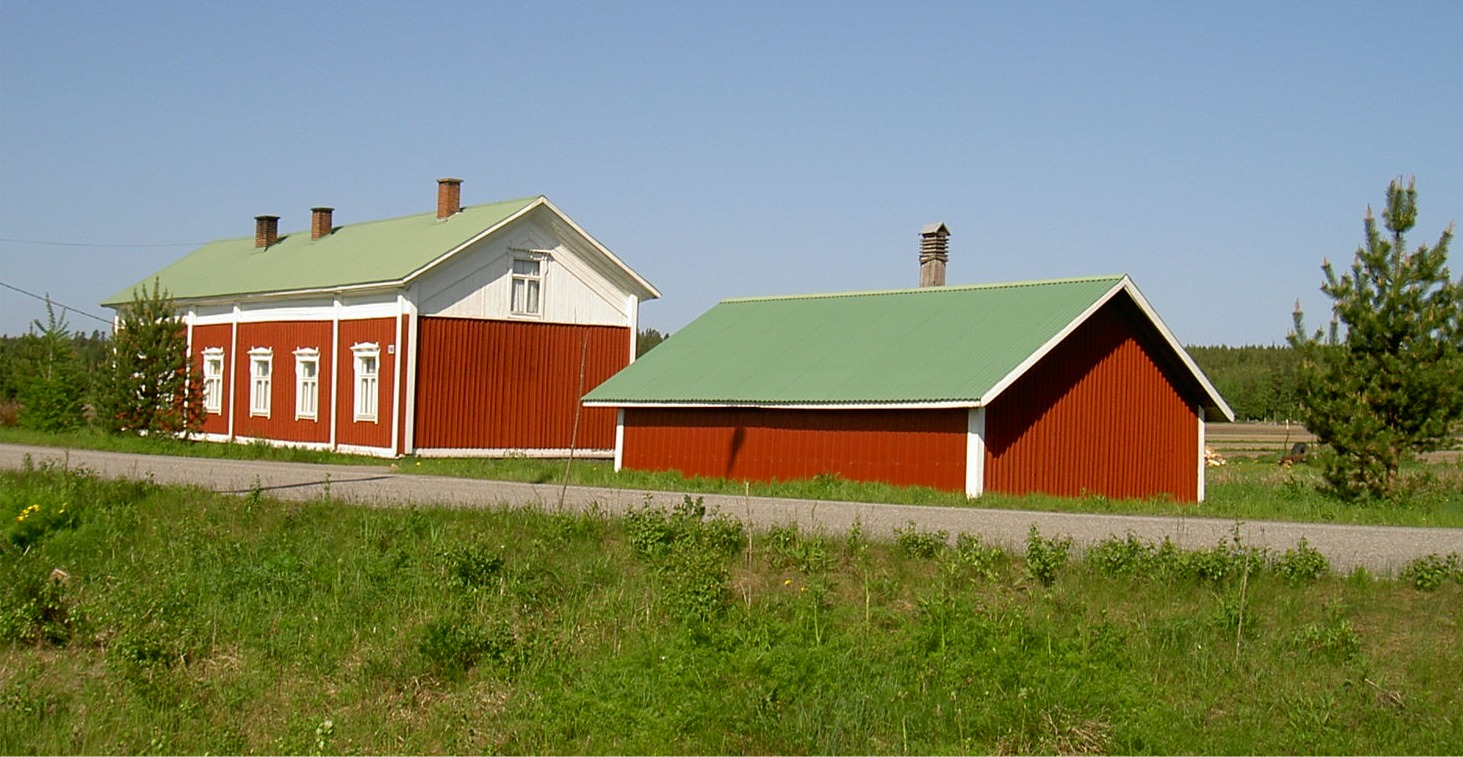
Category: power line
<point>88,244</point>
<point>64,308</point>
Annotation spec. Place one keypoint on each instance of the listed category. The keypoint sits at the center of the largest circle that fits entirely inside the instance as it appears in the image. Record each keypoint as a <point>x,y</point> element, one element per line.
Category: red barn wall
<point>382,332</point>
<point>1098,415</point>
<point>905,447</point>
<point>485,384</point>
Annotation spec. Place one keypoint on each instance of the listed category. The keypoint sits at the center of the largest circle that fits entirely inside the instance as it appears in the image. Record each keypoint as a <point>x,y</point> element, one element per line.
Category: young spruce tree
<point>50,381</point>
<point>150,387</point>
<point>1388,381</point>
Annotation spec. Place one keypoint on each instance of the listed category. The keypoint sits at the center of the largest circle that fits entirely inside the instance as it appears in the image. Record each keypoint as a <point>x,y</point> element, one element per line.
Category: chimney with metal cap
<point>266,231</point>
<point>934,253</point>
<point>449,197</point>
<point>320,222</point>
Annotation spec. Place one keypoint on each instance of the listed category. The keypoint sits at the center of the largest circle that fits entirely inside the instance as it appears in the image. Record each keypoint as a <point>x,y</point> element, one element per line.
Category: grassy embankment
<point>1248,488</point>
<point>138,618</point>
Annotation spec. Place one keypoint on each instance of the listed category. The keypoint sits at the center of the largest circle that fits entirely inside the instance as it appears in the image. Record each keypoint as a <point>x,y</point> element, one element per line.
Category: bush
<point>452,646</point>
<point>1122,557</point>
<point>654,533</point>
<point>1303,564</point>
<point>915,543</point>
<point>472,566</point>
<point>972,559</point>
<point>36,610</point>
<point>1428,573</point>
<point>1044,557</point>
<point>689,551</point>
<point>788,548</point>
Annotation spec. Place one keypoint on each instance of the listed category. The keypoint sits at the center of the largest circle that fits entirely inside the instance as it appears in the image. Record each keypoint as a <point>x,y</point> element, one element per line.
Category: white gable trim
<point>539,202</point>
<point>1124,285</point>
<point>484,234</point>
<point>649,293</point>
<point>1179,350</point>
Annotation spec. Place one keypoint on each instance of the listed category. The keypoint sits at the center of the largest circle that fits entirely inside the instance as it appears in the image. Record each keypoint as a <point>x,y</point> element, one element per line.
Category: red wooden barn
<point>1068,387</point>
<point>468,331</point>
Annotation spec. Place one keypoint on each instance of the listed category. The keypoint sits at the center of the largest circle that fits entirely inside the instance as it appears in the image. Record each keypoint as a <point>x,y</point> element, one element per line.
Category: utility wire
<point>64,308</point>
<point>89,244</point>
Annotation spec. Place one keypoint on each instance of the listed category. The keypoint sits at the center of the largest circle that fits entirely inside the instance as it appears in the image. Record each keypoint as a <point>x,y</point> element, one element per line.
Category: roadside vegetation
<point>139,618</point>
<point>1247,488</point>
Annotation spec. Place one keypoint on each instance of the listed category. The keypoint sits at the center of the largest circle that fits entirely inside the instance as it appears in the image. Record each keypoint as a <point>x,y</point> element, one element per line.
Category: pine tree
<point>50,380</point>
<point>1390,383</point>
<point>150,387</point>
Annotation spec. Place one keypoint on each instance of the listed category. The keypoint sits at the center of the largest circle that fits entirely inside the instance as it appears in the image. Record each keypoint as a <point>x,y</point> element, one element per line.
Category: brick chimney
<point>320,222</point>
<point>934,244</point>
<point>449,197</point>
<point>266,231</point>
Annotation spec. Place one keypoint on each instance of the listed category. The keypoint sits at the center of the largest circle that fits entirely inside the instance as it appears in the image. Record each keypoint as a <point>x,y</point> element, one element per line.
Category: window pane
<point>525,267</point>
<point>532,305</point>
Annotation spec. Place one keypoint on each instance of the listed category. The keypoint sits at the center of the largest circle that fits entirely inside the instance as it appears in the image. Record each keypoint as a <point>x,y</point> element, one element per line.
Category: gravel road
<point>1381,549</point>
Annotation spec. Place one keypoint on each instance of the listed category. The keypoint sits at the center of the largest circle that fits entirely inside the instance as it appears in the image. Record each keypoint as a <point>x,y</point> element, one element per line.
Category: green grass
<point>174,620</point>
<point>92,438</point>
<point>1245,489</point>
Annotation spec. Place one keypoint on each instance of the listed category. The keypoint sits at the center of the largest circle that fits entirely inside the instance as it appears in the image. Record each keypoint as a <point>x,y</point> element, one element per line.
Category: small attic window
<point>527,286</point>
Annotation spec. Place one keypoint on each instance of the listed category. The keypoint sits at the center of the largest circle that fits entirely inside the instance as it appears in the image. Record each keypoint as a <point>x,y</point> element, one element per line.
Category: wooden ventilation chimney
<point>934,253</point>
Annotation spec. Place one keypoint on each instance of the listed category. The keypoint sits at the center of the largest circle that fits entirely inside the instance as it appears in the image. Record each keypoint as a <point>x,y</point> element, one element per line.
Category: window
<point>213,380</point>
<point>368,368</point>
<point>307,383</point>
<point>527,285</point>
<point>261,367</point>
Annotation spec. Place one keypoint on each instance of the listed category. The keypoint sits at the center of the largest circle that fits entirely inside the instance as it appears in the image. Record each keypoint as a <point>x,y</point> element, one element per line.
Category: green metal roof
<point>952,346</point>
<point>374,252</point>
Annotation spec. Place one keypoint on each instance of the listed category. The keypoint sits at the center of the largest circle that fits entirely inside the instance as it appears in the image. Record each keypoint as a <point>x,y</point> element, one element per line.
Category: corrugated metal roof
<point>352,255</point>
<point>938,345</point>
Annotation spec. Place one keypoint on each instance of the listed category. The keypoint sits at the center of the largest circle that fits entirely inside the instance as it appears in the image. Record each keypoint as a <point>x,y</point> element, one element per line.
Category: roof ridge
<point>370,221</point>
<point>929,290</point>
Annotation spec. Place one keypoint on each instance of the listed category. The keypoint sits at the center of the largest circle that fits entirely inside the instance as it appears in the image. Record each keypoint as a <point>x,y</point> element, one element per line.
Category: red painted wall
<point>376,433</point>
<point>906,447</point>
<point>1100,414</point>
<point>513,385</point>
<point>205,337</point>
<point>284,337</point>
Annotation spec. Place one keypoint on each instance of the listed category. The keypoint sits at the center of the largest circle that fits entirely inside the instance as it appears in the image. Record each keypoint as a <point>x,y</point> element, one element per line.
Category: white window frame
<point>261,380</point>
<point>531,282</point>
<point>367,382</point>
<point>213,380</point>
<point>307,387</point>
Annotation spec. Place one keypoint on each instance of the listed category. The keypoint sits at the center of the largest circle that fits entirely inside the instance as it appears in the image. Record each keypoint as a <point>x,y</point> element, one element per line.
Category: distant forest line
<point>1257,382</point>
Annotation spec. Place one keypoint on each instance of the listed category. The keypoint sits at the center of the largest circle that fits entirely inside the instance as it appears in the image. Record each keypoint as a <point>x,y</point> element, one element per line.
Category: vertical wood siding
<point>485,384</point>
<point>365,433</point>
<point>284,337</point>
<point>905,447</point>
<point>1100,414</point>
<point>219,335</point>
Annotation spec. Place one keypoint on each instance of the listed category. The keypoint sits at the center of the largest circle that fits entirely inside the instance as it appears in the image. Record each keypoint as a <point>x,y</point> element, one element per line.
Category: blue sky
<point>1217,152</point>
